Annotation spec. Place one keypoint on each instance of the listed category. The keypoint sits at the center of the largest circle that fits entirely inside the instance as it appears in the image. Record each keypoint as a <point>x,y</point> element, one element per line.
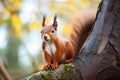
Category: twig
<point>4,72</point>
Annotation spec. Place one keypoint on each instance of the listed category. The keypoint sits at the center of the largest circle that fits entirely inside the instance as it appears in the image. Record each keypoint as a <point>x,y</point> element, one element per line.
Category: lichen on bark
<point>63,72</point>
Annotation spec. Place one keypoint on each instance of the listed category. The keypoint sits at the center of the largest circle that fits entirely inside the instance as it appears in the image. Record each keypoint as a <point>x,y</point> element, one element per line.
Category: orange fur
<point>69,52</point>
<point>46,56</point>
<point>82,26</point>
<point>55,49</point>
<point>59,53</point>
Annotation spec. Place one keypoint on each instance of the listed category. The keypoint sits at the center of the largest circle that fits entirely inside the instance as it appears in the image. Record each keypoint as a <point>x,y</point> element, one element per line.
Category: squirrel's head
<point>49,32</point>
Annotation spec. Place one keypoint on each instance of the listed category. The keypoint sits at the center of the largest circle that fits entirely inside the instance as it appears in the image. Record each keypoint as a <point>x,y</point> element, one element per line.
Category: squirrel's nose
<point>45,37</point>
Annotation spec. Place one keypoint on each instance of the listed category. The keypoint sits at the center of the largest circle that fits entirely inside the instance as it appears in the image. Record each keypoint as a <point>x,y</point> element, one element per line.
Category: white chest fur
<point>50,48</point>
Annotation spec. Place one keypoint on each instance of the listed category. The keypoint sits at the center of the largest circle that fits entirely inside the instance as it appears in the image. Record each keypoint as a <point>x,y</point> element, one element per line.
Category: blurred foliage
<point>16,24</point>
<point>21,21</point>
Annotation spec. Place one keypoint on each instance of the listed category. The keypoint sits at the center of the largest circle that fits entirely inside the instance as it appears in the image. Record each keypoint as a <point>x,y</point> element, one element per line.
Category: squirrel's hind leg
<point>69,52</point>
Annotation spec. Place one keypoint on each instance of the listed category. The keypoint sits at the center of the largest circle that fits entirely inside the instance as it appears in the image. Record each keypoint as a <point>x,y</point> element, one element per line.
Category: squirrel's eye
<point>52,31</point>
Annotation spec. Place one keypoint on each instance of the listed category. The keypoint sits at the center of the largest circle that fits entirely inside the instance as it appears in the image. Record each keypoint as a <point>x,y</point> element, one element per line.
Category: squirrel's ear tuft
<point>43,23</point>
<point>55,22</point>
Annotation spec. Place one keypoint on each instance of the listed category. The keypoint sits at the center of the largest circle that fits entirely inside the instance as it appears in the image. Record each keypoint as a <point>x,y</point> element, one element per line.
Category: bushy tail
<point>81,27</point>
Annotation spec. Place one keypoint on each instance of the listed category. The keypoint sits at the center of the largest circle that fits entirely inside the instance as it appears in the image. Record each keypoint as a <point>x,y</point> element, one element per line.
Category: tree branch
<point>63,72</point>
<point>4,72</point>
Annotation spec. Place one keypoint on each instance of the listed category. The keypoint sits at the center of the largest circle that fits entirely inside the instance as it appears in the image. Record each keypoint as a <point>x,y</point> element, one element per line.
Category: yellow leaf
<point>41,66</point>
<point>66,29</point>
<point>17,4</point>
<point>9,8</point>
<point>16,24</point>
<point>53,5</point>
<point>84,2</point>
<point>6,10</point>
<point>71,1</point>
<point>14,5</point>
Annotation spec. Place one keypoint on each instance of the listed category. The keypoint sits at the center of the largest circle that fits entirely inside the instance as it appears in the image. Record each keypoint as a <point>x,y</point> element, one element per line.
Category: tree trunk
<point>99,58</point>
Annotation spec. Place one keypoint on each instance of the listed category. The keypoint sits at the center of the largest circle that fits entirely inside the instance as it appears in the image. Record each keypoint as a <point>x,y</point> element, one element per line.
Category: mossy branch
<point>63,72</point>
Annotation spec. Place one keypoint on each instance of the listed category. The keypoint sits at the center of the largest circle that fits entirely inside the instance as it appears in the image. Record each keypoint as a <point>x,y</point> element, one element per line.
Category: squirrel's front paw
<point>68,60</point>
<point>47,66</point>
<point>54,66</point>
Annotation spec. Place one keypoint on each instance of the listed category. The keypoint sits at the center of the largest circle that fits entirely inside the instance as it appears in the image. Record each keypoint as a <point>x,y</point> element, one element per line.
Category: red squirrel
<point>56,49</point>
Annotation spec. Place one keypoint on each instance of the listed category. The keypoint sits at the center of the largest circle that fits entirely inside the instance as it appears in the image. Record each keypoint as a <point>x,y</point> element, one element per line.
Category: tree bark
<point>99,58</point>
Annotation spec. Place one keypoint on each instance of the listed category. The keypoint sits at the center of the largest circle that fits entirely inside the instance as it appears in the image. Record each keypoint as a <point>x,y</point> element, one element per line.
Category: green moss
<point>47,75</point>
<point>35,76</point>
<point>44,75</point>
<point>63,71</point>
<point>66,70</point>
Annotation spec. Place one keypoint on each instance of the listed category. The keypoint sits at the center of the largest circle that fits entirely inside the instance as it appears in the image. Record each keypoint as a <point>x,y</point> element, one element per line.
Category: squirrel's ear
<point>43,23</point>
<point>55,22</point>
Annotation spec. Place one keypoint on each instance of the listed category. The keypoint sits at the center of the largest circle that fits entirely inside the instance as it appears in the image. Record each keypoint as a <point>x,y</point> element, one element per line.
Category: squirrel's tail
<point>81,27</point>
